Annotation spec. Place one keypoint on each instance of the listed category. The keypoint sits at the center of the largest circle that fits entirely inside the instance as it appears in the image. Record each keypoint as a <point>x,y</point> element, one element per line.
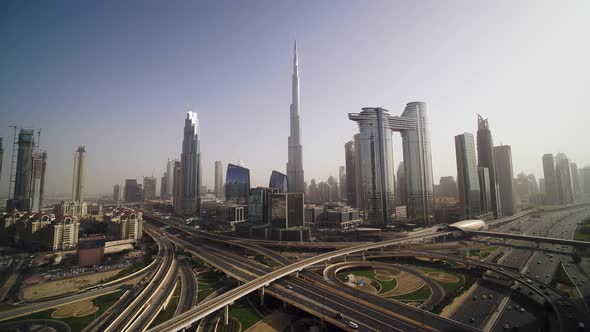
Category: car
<point>353,325</point>
<point>508,308</point>
<point>289,287</point>
<point>521,309</point>
<point>506,327</point>
<point>483,297</point>
<point>339,315</point>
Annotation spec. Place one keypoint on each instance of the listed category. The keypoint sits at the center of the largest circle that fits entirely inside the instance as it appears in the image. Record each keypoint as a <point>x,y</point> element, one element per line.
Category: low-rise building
<point>91,250</point>
<point>71,208</point>
<point>63,233</point>
<point>126,224</point>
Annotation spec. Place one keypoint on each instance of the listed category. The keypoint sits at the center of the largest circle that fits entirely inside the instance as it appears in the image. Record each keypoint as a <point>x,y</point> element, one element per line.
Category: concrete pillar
<point>226,315</point>
<point>262,296</point>
<point>296,274</point>
<point>345,258</point>
<point>363,255</point>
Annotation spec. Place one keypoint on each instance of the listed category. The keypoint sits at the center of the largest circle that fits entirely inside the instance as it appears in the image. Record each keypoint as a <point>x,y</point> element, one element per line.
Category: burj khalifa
<point>295,162</point>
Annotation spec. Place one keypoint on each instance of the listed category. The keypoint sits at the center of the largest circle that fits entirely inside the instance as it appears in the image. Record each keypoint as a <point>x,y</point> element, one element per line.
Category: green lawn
<point>76,323</point>
<point>561,277</point>
<point>386,286</point>
<point>583,231</point>
<point>419,295</point>
<point>243,312</point>
<point>208,283</point>
<point>368,273</point>
<point>168,312</point>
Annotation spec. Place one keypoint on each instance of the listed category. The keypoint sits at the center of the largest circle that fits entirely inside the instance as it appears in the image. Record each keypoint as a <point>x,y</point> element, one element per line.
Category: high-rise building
<point>259,204</point>
<point>177,186</point>
<point>485,158</point>
<point>116,193</point>
<point>585,179</point>
<point>563,177</point>
<point>287,210</point>
<point>279,182</point>
<point>63,234</point>
<point>170,177</point>
<point>38,181</point>
<point>21,198</point>
<point>350,174</point>
<point>542,185</point>
<point>295,161</point>
<point>550,179</point>
<point>219,192</point>
<point>448,187</point>
<point>576,180</point>
<point>133,192</point>
<point>358,174</point>
<point>149,188</point>
<point>485,190</point>
<point>505,179</point>
<point>376,126</point>
<point>190,196</point>
<point>342,182</point>
<point>401,187</point>
<point>467,176</point>
<point>79,169</point>
<point>163,187</point>
<point>237,184</point>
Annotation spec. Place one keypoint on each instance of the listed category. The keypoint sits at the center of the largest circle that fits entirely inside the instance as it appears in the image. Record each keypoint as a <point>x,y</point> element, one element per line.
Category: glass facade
<point>467,176</point>
<point>259,204</point>
<point>278,181</point>
<point>237,184</point>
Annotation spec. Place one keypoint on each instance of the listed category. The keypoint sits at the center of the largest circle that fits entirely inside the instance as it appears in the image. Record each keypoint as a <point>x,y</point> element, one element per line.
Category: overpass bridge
<point>531,238</point>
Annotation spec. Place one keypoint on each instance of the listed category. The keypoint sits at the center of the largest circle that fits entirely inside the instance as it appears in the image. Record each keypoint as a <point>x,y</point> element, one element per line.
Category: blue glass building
<point>279,182</point>
<point>237,184</point>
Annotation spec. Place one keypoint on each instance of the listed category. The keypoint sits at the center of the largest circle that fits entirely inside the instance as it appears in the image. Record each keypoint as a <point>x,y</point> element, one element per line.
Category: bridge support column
<point>345,258</point>
<point>326,264</point>
<point>363,255</point>
<point>262,296</point>
<point>226,315</point>
<point>296,274</point>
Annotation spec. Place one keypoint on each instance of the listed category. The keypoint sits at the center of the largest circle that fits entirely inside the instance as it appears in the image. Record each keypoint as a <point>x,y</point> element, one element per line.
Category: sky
<point>119,77</point>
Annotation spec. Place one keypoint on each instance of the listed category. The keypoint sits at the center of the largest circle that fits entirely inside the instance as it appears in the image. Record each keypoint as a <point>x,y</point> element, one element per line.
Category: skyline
<point>340,73</point>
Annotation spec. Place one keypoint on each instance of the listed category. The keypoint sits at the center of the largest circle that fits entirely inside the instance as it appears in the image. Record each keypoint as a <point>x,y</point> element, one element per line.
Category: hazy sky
<point>119,76</point>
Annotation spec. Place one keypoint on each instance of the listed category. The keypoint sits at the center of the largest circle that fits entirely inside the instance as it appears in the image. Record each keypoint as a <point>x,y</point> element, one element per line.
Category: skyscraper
<point>467,177</point>
<point>376,158</point>
<point>132,191</point>
<point>350,174</point>
<point>563,177</point>
<point>164,187</point>
<point>170,177</point>
<point>177,187</point>
<point>237,184</point>
<point>259,204</point>
<point>485,191</point>
<point>219,192</point>
<point>79,169</point>
<point>358,174</point>
<point>401,188</point>
<point>295,161</point>
<point>38,181</point>
<point>279,181</point>
<point>448,187</point>
<point>550,179</point>
<point>24,172</point>
<point>505,179</point>
<point>585,179</point>
<point>485,158</point>
<point>190,196</point>
<point>342,182</point>
<point>116,193</point>
<point>576,180</point>
<point>149,188</point>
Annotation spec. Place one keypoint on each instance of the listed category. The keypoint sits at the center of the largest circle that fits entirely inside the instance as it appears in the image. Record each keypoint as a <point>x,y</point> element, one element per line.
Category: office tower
<point>485,158</point>
<point>219,192</point>
<point>149,188</point>
<point>376,126</point>
<point>575,180</point>
<point>237,184</point>
<point>533,186</point>
<point>168,184</point>
<point>287,210</point>
<point>342,182</point>
<point>350,174</point>
<point>542,185</point>
<point>585,179</point>
<point>24,172</point>
<point>38,181</point>
<point>79,169</point>
<point>116,193</point>
<point>358,174</point>
<point>550,179</point>
<point>259,205</point>
<point>177,187</point>
<point>485,190</point>
<point>401,185</point>
<point>334,190</point>
<point>377,164</point>
<point>279,181</point>
<point>295,161</point>
<point>163,187</point>
<point>448,187</point>
<point>313,191</point>
<point>132,191</point>
<point>467,176</point>
<point>563,177</point>
<point>1,157</point>
<point>505,179</point>
<point>190,195</point>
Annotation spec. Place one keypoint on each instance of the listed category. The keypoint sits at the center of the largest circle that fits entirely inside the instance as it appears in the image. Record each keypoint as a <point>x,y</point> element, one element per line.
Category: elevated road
<point>532,238</point>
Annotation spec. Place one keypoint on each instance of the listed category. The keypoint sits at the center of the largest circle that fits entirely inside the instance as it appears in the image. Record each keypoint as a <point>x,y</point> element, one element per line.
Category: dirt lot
<point>64,286</point>
<point>77,309</point>
<point>406,283</point>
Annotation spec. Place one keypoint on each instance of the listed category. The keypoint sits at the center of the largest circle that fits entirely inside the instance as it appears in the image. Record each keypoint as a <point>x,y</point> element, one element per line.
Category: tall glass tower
<point>295,161</point>
<point>485,158</point>
<point>79,169</point>
<point>467,176</point>
<point>190,159</point>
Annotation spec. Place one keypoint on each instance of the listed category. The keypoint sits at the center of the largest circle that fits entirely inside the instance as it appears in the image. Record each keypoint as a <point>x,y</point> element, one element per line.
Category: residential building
<point>351,193</point>
<point>149,188</point>
<point>63,233</point>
